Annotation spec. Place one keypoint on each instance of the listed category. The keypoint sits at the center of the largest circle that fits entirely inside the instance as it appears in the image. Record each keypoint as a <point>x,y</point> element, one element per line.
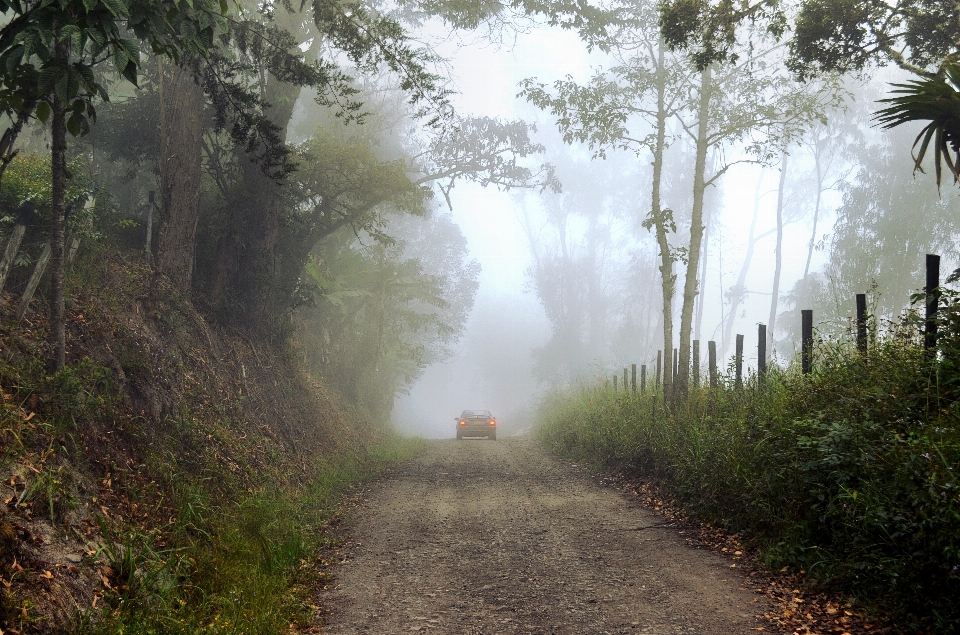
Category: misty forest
<point>479,317</point>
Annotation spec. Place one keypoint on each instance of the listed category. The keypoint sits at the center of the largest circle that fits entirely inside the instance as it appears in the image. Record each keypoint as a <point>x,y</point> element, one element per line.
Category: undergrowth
<point>252,567</point>
<point>192,476</point>
<point>847,474</point>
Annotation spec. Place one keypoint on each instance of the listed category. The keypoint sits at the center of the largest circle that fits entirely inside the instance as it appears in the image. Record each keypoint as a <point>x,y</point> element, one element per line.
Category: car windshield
<point>475,413</point>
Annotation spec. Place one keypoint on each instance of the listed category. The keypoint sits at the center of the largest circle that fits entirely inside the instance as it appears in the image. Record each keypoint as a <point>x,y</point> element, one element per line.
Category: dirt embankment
<point>156,404</point>
<point>499,537</point>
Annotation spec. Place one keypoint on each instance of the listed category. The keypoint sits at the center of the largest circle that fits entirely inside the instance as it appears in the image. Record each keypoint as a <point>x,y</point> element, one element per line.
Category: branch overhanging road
<point>491,537</point>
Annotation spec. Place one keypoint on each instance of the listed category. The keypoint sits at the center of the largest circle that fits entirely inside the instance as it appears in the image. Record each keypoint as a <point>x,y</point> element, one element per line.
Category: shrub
<point>848,473</point>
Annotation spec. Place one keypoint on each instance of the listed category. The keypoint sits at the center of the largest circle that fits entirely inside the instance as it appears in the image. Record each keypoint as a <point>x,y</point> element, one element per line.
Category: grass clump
<point>848,473</point>
<point>252,566</point>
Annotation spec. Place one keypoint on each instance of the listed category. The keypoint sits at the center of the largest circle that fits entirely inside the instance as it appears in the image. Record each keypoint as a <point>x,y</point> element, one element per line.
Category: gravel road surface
<point>492,537</point>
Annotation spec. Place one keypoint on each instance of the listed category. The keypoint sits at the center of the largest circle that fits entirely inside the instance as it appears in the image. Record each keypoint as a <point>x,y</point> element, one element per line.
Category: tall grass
<point>249,569</point>
<point>849,473</point>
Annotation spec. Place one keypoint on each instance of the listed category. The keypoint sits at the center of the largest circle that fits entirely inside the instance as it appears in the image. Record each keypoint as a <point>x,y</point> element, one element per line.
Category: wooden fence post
<point>932,301</point>
<point>75,238</point>
<point>643,379</point>
<point>676,364</point>
<point>806,341</point>
<point>696,363</point>
<point>38,270</point>
<point>862,323</point>
<point>761,352</point>
<point>738,361</point>
<point>712,357</point>
<point>633,378</point>
<point>13,243</point>
<point>614,383</point>
<point>624,378</point>
<point>656,385</point>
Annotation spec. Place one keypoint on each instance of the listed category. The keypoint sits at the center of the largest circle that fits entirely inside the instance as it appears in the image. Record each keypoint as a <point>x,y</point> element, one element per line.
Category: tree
<point>182,118</point>
<point>48,52</point>
<point>830,37</point>
<point>885,223</point>
<point>387,308</point>
<point>750,105</point>
<point>484,150</point>
<point>646,86</point>
<point>827,37</point>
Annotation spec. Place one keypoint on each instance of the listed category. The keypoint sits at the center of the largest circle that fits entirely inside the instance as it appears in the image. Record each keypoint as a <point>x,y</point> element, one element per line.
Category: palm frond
<point>937,101</point>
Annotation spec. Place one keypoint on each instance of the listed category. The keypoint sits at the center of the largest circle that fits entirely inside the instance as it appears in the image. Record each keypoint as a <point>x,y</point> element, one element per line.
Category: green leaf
<point>29,44</point>
<point>90,5</point>
<point>314,271</point>
<point>43,111</point>
<point>88,78</point>
<point>73,124</point>
<point>116,7</point>
<point>132,49</point>
<point>12,59</point>
<point>120,59</point>
<point>48,76</point>
<point>69,31</point>
<point>130,73</point>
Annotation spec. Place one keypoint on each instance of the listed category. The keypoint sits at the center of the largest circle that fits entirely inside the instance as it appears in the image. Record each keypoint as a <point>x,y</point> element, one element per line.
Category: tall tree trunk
<point>252,279</point>
<point>696,230</point>
<point>181,129</point>
<point>667,277</point>
<point>58,231</point>
<point>779,260</point>
<point>596,309</point>
<point>816,211</point>
<point>710,204</point>
<point>246,286</point>
<point>739,291</point>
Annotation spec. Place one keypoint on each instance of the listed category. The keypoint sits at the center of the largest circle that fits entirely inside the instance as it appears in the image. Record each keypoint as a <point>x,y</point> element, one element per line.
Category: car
<point>476,423</point>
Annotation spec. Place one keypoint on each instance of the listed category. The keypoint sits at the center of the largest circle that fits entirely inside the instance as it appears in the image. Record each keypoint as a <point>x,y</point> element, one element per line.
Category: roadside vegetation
<point>846,475</point>
<point>173,477</point>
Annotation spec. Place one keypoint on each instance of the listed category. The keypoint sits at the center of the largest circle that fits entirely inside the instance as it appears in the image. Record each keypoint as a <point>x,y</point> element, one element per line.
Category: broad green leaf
<point>132,49</point>
<point>62,87</point>
<point>30,41</point>
<point>120,59</point>
<point>43,111</point>
<point>48,76</point>
<point>130,73</point>
<point>12,59</point>
<point>89,81</point>
<point>314,271</point>
<point>97,37</point>
<point>69,31</point>
<point>116,7</point>
<point>73,124</point>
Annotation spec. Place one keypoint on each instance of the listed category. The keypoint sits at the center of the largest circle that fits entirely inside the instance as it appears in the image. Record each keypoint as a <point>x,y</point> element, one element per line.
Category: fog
<point>500,213</point>
<point>495,362</point>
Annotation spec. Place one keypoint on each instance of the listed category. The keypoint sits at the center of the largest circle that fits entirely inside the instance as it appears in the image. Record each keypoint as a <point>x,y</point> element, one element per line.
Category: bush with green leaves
<point>848,473</point>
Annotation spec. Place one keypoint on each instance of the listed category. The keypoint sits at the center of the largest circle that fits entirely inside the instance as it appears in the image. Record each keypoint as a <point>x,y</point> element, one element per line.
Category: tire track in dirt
<point>499,537</point>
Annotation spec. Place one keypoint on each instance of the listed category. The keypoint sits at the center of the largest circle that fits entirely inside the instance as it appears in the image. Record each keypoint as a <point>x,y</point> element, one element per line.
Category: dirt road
<point>498,537</point>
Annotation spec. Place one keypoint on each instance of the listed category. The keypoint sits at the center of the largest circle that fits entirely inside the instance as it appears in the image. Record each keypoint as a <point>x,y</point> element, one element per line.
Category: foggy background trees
<point>309,164</point>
